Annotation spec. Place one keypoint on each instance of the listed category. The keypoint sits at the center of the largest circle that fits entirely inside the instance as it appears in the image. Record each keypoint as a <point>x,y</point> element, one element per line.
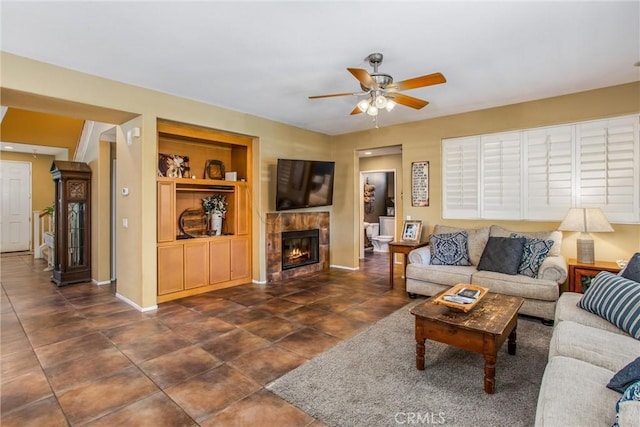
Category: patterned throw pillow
<point>632,393</point>
<point>615,299</point>
<point>535,251</point>
<point>449,249</point>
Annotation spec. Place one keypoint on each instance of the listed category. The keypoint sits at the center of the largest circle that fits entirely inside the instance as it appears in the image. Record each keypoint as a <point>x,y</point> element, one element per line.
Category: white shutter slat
<point>607,168</point>
<point>500,177</point>
<point>460,178</point>
<point>547,172</point>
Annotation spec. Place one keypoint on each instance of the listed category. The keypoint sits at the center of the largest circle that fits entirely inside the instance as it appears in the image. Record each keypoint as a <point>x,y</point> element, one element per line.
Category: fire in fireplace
<point>300,248</point>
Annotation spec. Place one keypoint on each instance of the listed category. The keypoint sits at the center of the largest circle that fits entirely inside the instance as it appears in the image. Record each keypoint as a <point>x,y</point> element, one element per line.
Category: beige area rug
<point>371,380</point>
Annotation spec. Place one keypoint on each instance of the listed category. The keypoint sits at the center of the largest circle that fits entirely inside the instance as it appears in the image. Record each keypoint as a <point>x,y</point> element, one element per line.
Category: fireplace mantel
<point>280,222</point>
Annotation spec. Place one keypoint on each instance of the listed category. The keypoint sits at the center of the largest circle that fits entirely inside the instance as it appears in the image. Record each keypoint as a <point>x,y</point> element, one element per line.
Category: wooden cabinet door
<point>196,265</point>
<point>240,258</point>
<point>219,261</point>
<point>243,210</point>
<point>170,268</point>
<point>166,211</point>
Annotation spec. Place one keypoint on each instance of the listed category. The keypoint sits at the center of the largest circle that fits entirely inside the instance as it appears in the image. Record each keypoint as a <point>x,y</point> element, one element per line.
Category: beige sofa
<point>540,293</point>
<point>584,354</point>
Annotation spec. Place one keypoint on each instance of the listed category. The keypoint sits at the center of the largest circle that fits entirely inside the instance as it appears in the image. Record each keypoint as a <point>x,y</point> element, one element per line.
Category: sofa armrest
<point>420,256</point>
<point>554,268</point>
<point>629,413</point>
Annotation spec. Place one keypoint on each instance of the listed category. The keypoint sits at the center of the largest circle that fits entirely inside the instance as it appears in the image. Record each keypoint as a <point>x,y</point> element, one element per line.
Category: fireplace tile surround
<point>280,222</point>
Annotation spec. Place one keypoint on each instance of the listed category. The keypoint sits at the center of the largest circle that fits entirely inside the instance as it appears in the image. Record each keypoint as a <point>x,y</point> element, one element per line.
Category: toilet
<point>382,234</point>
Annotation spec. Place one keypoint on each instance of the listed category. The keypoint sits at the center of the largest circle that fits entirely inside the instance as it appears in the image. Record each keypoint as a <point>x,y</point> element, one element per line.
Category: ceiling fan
<point>380,90</point>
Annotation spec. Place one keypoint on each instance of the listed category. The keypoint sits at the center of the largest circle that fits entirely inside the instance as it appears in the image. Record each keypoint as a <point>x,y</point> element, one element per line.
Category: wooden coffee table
<point>483,330</point>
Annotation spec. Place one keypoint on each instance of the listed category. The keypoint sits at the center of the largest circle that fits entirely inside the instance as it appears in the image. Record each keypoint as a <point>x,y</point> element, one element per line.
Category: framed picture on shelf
<point>411,230</point>
<point>173,166</point>
<point>214,169</point>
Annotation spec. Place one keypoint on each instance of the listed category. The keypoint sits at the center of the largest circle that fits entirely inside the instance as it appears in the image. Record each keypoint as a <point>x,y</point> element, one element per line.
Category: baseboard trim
<point>134,305</point>
<point>95,282</point>
<point>342,267</point>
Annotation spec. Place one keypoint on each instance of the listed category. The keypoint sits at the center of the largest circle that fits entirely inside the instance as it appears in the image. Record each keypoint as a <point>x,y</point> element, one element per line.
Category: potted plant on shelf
<point>216,209</point>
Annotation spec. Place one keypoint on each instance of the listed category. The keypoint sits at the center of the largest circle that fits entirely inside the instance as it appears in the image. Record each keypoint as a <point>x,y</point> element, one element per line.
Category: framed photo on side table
<point>411,230</point>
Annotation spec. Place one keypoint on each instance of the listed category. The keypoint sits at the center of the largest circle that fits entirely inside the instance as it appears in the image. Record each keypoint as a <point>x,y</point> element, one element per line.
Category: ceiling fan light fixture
<point>381,101</point>
<point>390,104</point>
<point>372,110</point>
<point>363,105</point>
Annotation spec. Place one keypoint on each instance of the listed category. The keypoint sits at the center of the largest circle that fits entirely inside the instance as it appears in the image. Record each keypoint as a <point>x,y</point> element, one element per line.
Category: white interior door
<point>15,220</point>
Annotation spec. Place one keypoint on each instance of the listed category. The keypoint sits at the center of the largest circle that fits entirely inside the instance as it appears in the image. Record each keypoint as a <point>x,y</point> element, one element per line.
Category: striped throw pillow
<point>616,299</point>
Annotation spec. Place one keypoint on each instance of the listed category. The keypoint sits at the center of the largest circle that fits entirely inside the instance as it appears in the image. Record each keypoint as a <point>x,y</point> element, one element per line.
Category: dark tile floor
<point>79,356</point>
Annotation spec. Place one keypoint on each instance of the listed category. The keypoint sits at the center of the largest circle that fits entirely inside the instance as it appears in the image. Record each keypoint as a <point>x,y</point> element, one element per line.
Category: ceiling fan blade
<point>334,94</point>
<point>364,78</point>
<point>409,101</point>
<point>428,80</point>
<point>356,110</point>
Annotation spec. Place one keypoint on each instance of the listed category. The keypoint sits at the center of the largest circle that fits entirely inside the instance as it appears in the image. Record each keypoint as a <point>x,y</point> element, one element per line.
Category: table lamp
<point>585,220</point>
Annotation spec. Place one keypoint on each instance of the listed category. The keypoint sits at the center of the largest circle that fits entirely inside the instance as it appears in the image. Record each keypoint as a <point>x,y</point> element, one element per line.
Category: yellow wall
<point>422,141</point>
<point>30,127</point>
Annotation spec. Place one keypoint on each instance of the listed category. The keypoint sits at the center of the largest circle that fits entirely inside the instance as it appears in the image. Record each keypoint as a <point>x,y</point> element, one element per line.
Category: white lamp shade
<point>586,220</point>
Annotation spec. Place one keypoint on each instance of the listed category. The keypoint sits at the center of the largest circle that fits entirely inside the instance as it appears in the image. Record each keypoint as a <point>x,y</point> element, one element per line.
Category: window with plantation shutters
<point>460,160</point>
<point>538,174</point>
<point>607,168</point>
<point>500,176</point>
<point>548,154</point>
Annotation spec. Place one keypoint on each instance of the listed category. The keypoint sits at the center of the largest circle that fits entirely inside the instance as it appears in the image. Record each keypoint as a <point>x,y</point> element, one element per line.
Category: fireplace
<point>280,223</point>
<point>300,248</point>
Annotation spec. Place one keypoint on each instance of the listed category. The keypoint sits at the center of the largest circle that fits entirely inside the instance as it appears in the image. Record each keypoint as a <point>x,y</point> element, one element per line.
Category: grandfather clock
<point>72,259</point>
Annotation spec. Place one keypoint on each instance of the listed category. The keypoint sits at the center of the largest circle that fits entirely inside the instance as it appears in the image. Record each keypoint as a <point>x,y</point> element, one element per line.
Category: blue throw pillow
<point>632,270</point>
<point>616,299</point>
<point>631,393</point>
<point>625,377</point>
<point>449,249</point>
<point>533,254</point>
<point>502,255</point>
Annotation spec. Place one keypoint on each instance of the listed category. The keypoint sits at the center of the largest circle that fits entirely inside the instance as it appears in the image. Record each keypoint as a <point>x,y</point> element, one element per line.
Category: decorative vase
<point>215,223</point>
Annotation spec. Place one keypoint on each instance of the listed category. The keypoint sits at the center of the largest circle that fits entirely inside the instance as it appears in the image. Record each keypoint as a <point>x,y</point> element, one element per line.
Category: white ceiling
<point>266,58</point>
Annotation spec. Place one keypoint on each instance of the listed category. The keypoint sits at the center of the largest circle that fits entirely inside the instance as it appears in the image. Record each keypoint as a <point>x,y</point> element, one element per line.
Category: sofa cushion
<point>632,270</point>
<point>626,376</point>
<point>628,407</point>
<point>441,274</point>
<point>554,235</point>
<point>574,393</point>
<point>449,249</point>
<point>502,255</point>
<point>534,253</point>
<point>517,285</point>
<point>567,309</point>
<point>476,239</point>
<point>592,345</point>
<point>616,299</point>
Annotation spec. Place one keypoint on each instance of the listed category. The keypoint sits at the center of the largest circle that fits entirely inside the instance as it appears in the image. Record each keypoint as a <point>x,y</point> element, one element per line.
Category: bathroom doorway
<point>378,204</point>
<point>383,167</point>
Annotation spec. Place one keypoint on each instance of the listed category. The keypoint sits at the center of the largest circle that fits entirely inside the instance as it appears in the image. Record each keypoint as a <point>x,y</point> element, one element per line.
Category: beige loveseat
<point>584,354</point>
<point>540,293</point>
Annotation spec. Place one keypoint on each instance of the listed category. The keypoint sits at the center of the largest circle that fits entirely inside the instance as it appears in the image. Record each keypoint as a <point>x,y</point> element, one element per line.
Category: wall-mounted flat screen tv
<point>304,184</point>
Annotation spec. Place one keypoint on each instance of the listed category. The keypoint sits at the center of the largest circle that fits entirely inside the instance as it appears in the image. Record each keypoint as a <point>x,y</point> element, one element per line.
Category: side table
<point>580,274</point>
<point>401,248</point>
